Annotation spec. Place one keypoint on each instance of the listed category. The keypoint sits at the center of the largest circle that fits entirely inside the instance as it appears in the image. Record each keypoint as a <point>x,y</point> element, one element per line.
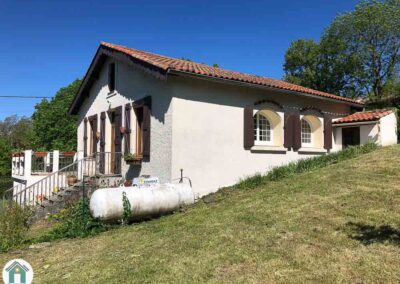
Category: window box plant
<point>40,154</point>
<point>133,159</point>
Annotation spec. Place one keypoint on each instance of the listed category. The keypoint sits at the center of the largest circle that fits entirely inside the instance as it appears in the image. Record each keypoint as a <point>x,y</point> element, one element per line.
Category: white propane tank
<point>106,203</point>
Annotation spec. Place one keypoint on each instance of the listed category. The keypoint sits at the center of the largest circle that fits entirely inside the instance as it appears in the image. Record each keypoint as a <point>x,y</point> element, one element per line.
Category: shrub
<point>127,210</point>
<point>74,222</point>
<point>305,165</point>
<point>13,225</point>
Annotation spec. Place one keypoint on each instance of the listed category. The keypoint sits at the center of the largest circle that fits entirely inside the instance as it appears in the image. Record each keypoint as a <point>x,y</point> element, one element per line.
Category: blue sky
<point>45,45</point>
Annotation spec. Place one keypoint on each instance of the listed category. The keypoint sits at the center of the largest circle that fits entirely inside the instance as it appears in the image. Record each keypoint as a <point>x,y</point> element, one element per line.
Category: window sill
<point>267,148</point>
<point>312,150</point>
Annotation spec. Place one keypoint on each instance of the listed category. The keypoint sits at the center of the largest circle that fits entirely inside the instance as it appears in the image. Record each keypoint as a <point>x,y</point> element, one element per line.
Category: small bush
<point>127,210</point>
<point>13,225</point>
<point>305,165</point>
<point>75,222</point>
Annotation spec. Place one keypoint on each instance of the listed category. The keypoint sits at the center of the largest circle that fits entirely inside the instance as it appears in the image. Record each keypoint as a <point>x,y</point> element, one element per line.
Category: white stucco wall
<point>131,85</point>
<point>369,133</point>
<point>388,128</point>
<point>337,139</point>
<point>207,132</point>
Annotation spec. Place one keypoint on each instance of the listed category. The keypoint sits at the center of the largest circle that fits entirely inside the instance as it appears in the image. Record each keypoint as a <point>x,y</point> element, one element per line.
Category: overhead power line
<point>24,97</point>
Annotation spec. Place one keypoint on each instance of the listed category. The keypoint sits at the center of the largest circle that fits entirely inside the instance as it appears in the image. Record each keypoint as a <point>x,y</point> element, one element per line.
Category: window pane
<point>263,126</point>
<point>305,132</point>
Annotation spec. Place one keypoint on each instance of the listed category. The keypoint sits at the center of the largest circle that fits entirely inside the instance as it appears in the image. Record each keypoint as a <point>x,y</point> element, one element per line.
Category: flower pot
<point>40,154</point>
<point>69,154</point>
<point>72,180</point>
<point>127,183</point>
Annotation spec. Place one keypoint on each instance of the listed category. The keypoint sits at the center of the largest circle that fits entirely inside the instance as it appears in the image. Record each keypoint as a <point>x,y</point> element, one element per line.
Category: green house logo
<point>17,271</point>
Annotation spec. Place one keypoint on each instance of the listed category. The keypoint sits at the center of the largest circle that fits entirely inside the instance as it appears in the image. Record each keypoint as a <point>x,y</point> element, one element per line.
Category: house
<point>216,125</point>
<point>378,126</point>
<point>141,114</point>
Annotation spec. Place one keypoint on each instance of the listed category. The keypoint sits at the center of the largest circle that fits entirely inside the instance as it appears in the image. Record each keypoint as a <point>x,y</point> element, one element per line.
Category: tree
<point>301,63</point>
<point>17,132</point>
<point>358,54</point>
<point>53,127</point>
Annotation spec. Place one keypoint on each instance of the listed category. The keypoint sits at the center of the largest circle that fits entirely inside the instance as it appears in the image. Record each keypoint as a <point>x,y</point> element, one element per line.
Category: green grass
<point>335,224</point>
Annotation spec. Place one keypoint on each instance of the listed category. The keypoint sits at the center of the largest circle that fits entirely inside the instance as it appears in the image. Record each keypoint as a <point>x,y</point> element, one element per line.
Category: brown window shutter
<point>102,131</point>
<point>127,128</point>
<point>146,130</point>
<point>118,124</point>
<point>288,131</point>
<point>248,127</point>
<point>296,131</point>
<point>94,133</point>
<point>85,137</point>
<point>102,141</point>
<point>327,132</point>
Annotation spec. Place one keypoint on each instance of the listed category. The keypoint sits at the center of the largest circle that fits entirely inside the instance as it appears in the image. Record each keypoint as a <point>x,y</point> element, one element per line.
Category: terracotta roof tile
<point>167,63</point>
<point>363,116</point>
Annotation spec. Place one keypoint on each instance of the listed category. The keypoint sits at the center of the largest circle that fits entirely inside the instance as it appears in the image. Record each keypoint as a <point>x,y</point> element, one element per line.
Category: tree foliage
<point>5,157</point>
<point>358,54</point>
<point>15,134</point>
<point>53,127</point>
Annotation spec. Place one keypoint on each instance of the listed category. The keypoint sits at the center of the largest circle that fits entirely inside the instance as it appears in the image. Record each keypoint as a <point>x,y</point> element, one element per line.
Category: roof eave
<point>97,61</point>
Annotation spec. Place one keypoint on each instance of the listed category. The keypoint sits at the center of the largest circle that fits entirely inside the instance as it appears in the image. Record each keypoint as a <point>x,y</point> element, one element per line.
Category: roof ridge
<point>156,54</point>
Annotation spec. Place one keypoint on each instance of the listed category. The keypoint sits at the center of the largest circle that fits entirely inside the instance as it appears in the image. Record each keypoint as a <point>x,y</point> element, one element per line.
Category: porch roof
<point>363,116</point>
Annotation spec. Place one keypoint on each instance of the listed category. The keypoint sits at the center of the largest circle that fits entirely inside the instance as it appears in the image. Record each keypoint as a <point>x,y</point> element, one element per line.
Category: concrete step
<point>58,200</point>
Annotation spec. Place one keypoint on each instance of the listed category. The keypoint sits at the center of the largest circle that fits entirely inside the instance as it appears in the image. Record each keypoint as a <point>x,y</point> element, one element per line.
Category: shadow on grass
<point>369,234</point>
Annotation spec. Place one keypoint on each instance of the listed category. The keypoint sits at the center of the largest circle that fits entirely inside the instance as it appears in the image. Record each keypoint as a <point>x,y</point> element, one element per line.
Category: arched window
<point>262,129</point>
<point>305,132</point>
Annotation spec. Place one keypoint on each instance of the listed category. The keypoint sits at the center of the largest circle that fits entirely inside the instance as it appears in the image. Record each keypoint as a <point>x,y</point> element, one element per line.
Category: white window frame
<point>257,128</point>
<point>309,144</point>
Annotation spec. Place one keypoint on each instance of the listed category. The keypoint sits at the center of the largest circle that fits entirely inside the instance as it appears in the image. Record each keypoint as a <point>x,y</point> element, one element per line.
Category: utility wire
<point>24,97</point>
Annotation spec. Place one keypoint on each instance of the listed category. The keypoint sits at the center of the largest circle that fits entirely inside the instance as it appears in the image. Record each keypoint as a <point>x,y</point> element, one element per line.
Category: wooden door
<point>350,136</point>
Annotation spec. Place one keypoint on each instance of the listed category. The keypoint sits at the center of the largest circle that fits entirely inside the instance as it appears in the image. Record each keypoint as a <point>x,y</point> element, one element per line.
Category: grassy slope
<point>298,229</point>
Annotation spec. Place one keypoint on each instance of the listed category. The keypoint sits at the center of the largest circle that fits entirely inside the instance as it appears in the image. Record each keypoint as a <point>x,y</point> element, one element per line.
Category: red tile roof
<point>363,116</point>
<point>167,64</point>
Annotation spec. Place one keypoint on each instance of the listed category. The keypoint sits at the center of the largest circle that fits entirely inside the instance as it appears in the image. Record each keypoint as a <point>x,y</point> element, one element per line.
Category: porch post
<point>27,164</point>
<point>56,159</point>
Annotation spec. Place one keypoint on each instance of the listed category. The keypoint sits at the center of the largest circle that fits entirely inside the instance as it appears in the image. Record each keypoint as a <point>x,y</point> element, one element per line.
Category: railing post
<point>80,156</point>
<point>27,164</point>
<point>56,159</point>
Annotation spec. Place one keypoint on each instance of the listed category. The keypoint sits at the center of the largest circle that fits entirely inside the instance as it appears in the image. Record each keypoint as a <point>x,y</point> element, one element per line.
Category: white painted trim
<point>312,150</point>
<point>355,123</point>
<point>265,148</point>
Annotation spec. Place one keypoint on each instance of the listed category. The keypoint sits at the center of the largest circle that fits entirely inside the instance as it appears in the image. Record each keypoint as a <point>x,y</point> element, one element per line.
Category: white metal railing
<point>36,193</point>
<point>29,163</point>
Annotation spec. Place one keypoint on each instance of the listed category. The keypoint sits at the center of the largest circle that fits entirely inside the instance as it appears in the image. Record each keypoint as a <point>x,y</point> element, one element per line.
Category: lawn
<point>337,224</point>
